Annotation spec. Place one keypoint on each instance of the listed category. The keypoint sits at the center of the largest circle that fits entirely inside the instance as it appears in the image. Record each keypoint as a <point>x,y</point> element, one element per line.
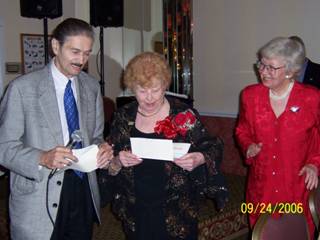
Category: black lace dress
<point>150,181</point>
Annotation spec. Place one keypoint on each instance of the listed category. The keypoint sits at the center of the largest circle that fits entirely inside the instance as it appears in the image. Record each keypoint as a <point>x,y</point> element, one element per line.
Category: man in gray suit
<point>34,128</point>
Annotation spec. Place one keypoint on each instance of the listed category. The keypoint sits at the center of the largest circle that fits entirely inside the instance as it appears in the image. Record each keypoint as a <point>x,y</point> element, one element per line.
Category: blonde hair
<point>146,68</point>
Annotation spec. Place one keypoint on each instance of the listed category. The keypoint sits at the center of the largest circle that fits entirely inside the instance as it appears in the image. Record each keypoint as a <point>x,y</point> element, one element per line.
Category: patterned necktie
<point>70,108</point>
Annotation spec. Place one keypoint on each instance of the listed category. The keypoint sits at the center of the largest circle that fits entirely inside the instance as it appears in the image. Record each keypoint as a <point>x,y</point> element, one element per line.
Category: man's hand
<point>58,157</point>
<point>104,155</point>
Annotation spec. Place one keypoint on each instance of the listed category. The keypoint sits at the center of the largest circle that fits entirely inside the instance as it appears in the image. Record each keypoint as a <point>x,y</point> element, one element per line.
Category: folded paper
<point>158,149</point>
<point>87,159</point>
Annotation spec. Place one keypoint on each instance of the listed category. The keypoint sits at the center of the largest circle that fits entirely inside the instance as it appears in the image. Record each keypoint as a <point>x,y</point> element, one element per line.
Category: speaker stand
<point>45,36</point>
<point>101,62</point>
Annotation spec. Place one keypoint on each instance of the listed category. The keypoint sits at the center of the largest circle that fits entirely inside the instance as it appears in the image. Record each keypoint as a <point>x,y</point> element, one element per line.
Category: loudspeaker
<point>106,13</point>
<point>41,8</point>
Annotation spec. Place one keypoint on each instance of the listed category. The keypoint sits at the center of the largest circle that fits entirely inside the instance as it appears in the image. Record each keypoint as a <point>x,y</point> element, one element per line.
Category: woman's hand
<point>311,179</point>
<point>190,161</point>
<point>253,150</point>
<point>105,154</point>
<point>128,159</point>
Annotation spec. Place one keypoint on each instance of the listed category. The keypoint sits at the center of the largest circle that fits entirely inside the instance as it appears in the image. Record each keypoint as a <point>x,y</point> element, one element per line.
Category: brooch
<point>294,109</point>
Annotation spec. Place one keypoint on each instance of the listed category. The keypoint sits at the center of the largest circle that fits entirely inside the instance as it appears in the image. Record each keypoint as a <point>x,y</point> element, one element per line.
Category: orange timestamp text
<point>260,208</point>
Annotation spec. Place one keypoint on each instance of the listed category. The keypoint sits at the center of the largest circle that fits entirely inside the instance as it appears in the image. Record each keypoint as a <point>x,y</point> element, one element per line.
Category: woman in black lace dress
<point>159,199</point>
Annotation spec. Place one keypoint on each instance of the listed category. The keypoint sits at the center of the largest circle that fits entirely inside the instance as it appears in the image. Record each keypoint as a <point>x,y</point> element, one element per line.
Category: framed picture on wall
<point>32,51</point>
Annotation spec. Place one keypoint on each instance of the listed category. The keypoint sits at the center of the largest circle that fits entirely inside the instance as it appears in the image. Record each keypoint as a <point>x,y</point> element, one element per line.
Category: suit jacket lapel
<point>49,105</point>
<point>82,106</point>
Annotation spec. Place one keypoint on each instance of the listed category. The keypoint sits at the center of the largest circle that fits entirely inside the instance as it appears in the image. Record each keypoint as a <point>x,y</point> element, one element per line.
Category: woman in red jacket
<point>278,131</point>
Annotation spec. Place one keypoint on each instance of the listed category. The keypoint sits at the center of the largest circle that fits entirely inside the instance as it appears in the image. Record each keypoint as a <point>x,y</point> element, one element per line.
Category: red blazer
<point>289,142</point>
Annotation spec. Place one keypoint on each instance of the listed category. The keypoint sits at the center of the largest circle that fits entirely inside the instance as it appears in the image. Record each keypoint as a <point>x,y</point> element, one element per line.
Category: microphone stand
<point>101,62</point>
<point>45,36</point>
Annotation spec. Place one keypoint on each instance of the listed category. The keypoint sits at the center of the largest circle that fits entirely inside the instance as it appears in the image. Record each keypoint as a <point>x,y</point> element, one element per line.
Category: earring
<point>287,76</point>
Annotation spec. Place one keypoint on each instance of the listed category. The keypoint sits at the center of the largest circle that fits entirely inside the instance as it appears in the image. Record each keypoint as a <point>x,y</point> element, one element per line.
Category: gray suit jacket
<point>29,124</point>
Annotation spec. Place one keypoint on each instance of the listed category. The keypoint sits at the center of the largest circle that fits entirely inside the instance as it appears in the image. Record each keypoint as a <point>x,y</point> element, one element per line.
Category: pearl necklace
<point>283,95</point>
<point>151,114</point>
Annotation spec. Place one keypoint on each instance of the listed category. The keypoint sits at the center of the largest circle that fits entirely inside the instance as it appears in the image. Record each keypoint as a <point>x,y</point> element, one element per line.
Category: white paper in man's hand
<point>159,149</point>
<point>87,159</point>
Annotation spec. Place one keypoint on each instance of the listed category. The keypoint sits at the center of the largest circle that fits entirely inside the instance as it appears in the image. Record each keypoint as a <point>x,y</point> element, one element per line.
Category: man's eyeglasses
<point>261,66</point>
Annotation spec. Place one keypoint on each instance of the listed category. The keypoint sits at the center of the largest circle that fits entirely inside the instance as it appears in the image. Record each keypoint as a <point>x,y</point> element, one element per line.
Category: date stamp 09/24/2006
<point>280,208</point>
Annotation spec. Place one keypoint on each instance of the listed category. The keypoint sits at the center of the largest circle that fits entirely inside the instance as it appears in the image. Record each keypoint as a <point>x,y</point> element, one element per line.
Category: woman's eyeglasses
<point>261,66</point>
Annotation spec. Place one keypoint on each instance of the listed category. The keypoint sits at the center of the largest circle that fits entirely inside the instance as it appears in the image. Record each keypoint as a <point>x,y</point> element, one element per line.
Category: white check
<point>159,149</point>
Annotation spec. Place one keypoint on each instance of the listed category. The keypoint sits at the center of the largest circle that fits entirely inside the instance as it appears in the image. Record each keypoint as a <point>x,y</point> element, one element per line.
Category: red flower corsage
<point>171,126</point>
